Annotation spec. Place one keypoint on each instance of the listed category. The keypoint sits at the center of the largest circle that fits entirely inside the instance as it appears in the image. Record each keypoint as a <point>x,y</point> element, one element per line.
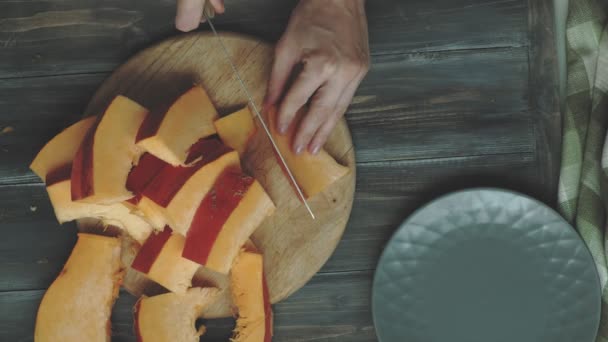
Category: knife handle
<point>208,10</point>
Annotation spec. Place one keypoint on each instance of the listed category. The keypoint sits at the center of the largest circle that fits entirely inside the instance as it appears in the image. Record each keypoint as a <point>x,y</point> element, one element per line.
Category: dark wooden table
<point>461,93</point>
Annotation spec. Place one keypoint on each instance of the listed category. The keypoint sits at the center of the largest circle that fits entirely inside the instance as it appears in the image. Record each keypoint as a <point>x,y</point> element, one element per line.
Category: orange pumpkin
<point>77,306</point>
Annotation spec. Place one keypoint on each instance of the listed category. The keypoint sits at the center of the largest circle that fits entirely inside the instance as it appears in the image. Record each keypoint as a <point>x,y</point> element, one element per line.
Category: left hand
<point>329,39</point>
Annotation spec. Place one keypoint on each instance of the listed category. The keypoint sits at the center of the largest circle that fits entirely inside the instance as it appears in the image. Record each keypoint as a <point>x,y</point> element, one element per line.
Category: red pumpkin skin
<point>142,174</point>
<point>149,127</point>
<point>60,174</point>
<point>82,168</point>
<point>213,212</point>
<point>150,250</point>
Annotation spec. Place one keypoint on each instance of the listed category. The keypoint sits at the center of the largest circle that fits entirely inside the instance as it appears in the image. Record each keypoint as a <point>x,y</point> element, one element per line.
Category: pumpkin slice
<point>55,158</point>
<point>169,135</point>
<point>105,157</point>
<point>160,258</point>
<point>227,216</point>
<point>171,316</point>
<point>174,194</point>
<point>78,304</point>
<point>117,214</point>
<point>54,164</point>
<point>250,295</point>
<point>313,173</point>
<point>236,129</point>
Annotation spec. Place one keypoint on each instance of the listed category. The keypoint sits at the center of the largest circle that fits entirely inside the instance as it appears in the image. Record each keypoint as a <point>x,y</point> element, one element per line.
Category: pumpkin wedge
<point>230,212</point>
<point>173,196</point>
<point>313,173</point>
<point>78,304</point>
<point>53,164</point>
<point>236,129</point>
<point>171,317</point>
<point>169,135</point>
<point>55,159</point>
<point>160,258</point>
<point>106,155</point>
<point>250,295</point>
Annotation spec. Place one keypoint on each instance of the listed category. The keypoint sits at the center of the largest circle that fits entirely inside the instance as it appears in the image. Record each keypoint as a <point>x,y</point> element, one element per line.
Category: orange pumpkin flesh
<point>313,173</point>
<point>105,157</point>
<point>169,135</point>
<point>54,165</point>
<point>230,212</point>
<point>117,214</point>
<point>236,129</point>
<point>250,296</point>
<point>171,316</point>
<point>59,152</point>
<point>160,258</point>
<point>77,306</point>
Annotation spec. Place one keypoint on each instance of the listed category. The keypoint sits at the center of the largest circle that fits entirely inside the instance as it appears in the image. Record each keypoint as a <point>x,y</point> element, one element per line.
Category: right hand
<point>190,13</point>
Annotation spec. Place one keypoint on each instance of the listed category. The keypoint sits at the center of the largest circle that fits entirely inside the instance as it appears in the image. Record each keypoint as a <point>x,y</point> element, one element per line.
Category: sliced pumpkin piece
<point>160,258</point>
<point>236,129</point>
<point>171,316</point>
<point>230,212</point>
<point>105,157</point>
<point>55,158</point>
<point>175,193</point>
<point>250,296</point>
<point>53,164</point>
<point>313,173</point>
<point>117,214</point>
<point>78,304</point>
<point>169,135</point>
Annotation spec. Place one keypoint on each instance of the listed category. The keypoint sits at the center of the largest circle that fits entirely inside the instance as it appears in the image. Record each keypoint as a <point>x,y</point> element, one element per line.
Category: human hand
<point>190,13</point>
<point>328,38</point>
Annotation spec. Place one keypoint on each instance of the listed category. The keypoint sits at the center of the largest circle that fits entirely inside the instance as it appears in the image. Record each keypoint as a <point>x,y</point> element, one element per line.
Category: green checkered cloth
<point>583,183</point>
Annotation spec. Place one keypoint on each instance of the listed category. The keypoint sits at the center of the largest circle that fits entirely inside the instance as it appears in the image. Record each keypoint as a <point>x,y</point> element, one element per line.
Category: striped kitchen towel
<point>583,183</point>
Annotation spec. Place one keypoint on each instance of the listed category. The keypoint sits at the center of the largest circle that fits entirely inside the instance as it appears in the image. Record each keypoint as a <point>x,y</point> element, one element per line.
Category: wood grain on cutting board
<point>294,245</point>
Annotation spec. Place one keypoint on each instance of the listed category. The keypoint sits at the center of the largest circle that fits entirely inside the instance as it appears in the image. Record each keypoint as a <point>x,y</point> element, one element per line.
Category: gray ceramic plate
<point>486,266</point>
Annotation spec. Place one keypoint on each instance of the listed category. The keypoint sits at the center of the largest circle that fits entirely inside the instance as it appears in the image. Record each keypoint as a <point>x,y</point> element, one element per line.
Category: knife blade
<point>208,13</point>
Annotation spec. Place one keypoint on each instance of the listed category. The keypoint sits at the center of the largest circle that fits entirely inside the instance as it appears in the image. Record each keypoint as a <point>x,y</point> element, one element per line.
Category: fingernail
<point>298,149</point>
<point>315,149</point>
<point>283,130</point>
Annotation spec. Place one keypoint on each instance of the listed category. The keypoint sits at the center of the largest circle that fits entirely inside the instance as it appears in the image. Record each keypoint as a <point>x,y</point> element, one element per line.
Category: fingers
<point>306,84</point>
<point>326,128</point>
<point>189,14</point>
<point>218,6</point>
<point>285,59</point>
<point>322,109</point>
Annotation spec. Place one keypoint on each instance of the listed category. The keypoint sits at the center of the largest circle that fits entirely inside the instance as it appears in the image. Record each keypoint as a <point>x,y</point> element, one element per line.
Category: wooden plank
<point>57,37</point>
<point>37,109</point>
<point>544,89</point>
<point>321,310</point>
<point>429,105</point>
<point>36,246</point>
<point>437,105</point>
<point>386,193</point>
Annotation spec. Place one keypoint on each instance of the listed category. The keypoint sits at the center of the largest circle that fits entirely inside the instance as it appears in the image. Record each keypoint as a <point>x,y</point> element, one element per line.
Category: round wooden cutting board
<point>294,245</point>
